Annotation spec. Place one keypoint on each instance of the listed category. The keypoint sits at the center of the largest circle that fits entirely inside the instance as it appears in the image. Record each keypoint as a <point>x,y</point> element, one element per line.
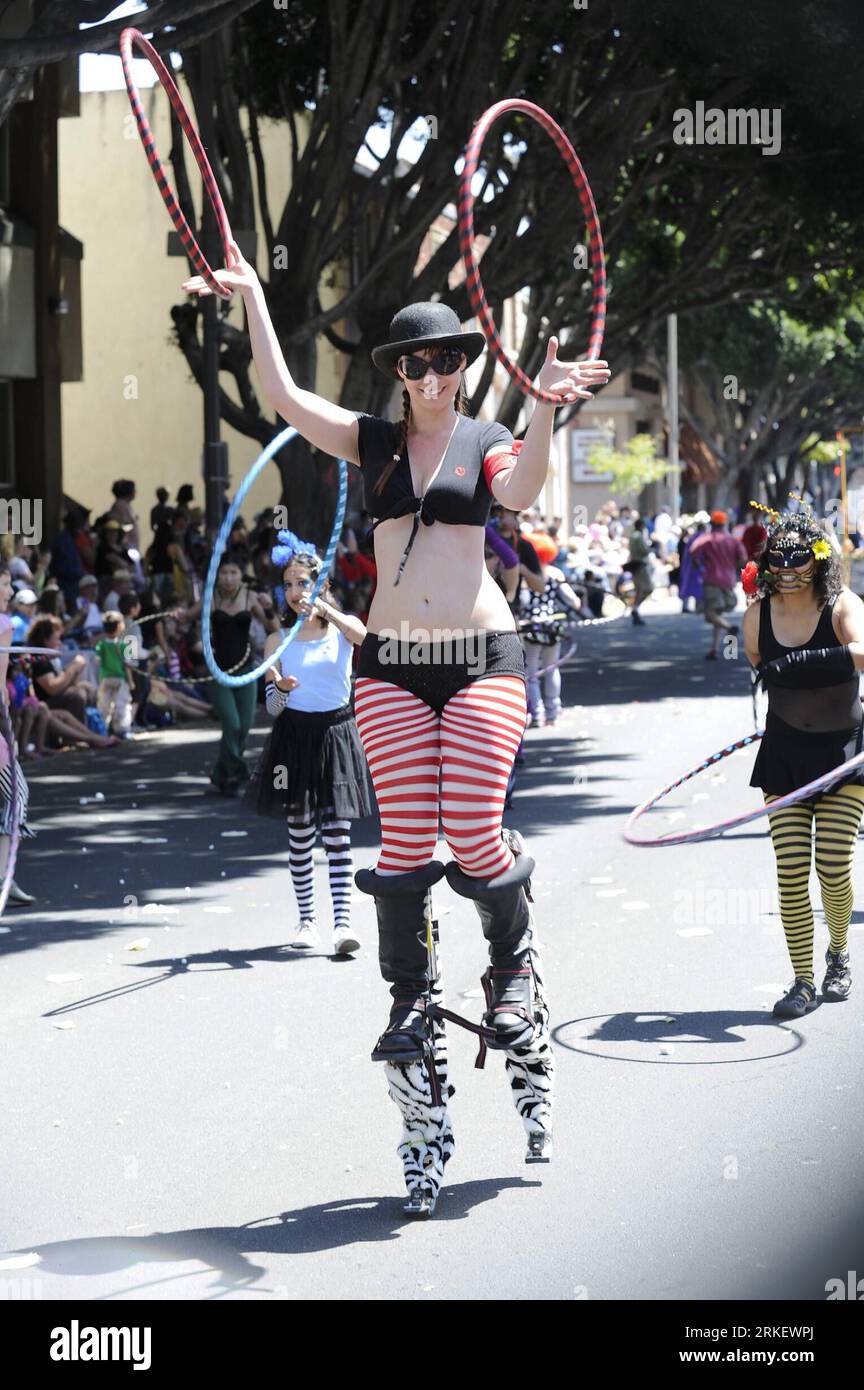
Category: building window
<point>7,460</point>
<point>640,382</point>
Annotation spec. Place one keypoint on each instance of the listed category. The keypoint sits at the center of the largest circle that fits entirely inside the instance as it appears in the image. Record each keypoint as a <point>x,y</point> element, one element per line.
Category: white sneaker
<point>344,941</point>
<point>305,937</point>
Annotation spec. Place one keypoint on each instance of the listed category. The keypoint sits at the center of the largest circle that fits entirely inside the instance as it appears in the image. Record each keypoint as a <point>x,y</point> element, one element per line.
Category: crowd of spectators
<point>123,620</point>
<point>119,654</point>
<point>604,556</point>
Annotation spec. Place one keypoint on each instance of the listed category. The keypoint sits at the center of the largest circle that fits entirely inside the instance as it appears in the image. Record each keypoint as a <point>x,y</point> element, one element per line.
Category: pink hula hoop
<point>134,38</point>
<point>706,832</point>
<point>474,284</point>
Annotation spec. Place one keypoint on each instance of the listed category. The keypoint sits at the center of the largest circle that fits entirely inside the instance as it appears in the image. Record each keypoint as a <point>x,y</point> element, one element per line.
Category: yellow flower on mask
<point>822,550</point>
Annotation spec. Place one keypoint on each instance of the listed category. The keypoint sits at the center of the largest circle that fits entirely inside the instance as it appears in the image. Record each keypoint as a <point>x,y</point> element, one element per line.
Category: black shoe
<point>510,1014</point>
<point>838,976</point>
<point>405,1036</point>
<point>638,621</point>
<point>797,1001</point>
<point>400,905</point>
<point>710,656</point>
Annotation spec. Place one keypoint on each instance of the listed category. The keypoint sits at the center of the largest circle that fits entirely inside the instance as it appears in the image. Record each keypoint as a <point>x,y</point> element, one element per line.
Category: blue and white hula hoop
<point>247,677</point>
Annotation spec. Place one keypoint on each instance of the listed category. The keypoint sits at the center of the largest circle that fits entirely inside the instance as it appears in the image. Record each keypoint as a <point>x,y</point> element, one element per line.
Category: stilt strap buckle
<point>482,1032</point>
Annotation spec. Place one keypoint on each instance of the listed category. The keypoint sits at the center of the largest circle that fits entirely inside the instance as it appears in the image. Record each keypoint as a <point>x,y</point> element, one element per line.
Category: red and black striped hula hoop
<point>476,293</point>
<point>134,37</point>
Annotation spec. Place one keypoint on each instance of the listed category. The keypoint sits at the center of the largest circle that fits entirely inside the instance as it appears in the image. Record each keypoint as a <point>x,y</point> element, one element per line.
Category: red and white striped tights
<point>457,763</point>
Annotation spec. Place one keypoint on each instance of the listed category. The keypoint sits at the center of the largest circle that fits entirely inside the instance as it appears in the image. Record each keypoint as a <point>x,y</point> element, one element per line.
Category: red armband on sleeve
<point>493,463</point>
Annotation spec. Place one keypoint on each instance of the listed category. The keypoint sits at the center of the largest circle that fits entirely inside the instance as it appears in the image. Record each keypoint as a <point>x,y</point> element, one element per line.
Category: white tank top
<point>323,669</point>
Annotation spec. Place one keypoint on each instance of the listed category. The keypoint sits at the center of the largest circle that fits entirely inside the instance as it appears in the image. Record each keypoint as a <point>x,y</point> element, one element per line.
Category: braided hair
<point>461,407</point>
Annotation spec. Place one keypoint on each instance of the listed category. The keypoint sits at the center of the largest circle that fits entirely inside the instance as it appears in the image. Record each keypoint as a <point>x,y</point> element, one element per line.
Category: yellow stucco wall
<point>138,413</point>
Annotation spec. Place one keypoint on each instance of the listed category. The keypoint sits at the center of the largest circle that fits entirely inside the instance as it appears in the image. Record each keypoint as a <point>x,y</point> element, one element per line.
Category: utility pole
<point>214,462</point>
<point>672,393</point>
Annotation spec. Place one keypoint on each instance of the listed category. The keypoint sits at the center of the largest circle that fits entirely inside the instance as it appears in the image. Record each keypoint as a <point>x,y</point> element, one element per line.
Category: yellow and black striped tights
<point>835,818</point>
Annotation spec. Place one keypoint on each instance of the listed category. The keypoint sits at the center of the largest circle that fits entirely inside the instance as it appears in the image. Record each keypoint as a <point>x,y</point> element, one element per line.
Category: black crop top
<point>809,697</point>
<point>460,494</point>
<point>230,636</point>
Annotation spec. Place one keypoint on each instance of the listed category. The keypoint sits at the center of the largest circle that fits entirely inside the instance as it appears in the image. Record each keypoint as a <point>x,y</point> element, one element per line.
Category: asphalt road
<point>190,1112</point>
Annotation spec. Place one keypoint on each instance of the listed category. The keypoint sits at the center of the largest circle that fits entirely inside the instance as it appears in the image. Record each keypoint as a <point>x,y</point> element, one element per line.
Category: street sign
<point>582,441</point>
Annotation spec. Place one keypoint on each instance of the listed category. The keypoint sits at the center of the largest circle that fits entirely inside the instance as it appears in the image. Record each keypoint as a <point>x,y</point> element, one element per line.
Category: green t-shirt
<point>110,657</point>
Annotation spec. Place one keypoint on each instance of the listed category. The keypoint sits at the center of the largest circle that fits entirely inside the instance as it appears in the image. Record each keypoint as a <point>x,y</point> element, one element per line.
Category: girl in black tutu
<point>804,633</point>
<point>312,770</point>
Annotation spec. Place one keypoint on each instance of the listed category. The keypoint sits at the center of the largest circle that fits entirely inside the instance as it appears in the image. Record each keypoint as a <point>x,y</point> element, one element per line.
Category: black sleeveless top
<point>809,697</point>
<point>230,636</point>
<point>459,495</point>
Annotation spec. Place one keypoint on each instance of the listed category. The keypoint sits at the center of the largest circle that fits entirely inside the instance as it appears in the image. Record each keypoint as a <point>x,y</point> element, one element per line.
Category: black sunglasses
<point>444,363</point>
<point>790,559</point>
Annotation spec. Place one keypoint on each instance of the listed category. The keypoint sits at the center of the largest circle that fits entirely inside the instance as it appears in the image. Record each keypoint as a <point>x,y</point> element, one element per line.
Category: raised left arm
<point>520,485</point>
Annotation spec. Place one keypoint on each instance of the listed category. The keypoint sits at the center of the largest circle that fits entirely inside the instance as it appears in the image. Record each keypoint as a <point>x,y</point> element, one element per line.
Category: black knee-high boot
<point>502,904</point>
<point>400,903</point>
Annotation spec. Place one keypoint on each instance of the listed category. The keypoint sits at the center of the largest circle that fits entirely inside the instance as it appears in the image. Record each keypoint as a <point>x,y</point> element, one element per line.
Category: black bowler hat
<point>425,325</point>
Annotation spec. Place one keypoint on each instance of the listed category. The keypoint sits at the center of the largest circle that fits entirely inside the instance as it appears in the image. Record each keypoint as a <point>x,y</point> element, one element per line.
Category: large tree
<point>769,387</point>
<point>687,226</point>
<point>54,33</point>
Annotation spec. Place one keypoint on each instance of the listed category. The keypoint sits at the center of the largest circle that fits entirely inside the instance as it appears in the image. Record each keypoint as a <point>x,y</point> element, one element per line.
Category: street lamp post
<point>214,463</point>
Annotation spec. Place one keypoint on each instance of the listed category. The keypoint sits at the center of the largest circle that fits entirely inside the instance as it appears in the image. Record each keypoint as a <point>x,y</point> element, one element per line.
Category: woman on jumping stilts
<point>804,633</point>
<point>440,716</point>
<point>312,770</point>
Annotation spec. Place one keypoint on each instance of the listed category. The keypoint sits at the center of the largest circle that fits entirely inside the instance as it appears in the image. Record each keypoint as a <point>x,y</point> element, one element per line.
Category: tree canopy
<point>54,32</point>
<point>771,387</point>
<point>688,228</point>
<point>691,228</point>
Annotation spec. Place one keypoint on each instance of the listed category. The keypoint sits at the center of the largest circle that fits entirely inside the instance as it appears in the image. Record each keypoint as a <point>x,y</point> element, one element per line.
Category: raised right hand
<point>237,275</point>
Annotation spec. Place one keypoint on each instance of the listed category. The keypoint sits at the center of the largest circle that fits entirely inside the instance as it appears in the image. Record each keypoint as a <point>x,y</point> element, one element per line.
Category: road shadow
<point>229,959</point>
<point>227,1250</point>
<point>651,1027</point>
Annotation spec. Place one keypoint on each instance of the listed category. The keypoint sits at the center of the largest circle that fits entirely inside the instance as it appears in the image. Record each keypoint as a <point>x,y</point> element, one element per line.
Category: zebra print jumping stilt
<point>427,1135</point>
<point>531,1071</point>
<point>529,1065</point>
<point>408,954</point>
<point>421,1089</point>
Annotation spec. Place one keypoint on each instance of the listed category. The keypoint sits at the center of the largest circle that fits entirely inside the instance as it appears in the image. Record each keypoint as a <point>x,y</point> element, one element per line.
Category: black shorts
<point>436,671</point>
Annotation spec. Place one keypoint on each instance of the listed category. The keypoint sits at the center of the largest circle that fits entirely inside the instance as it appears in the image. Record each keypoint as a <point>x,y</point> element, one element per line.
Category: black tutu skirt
<point>790,758</point>
<point>310,762</point>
